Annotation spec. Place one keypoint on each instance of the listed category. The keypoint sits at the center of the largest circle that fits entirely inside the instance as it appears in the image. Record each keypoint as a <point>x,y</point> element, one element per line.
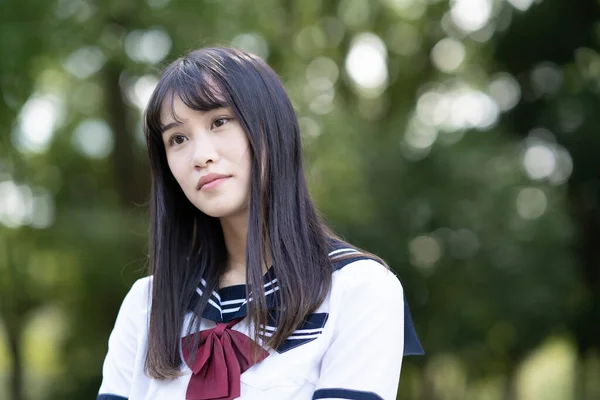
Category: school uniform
<point>351,347</point>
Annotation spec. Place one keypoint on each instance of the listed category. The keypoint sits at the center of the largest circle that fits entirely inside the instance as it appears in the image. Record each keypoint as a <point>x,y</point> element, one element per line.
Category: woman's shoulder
<point>142,286</point>
<point>366,272</point>
<point>138,297</point>
<point>143,283</point>
<point>359,271</point>
<point>362,281</point>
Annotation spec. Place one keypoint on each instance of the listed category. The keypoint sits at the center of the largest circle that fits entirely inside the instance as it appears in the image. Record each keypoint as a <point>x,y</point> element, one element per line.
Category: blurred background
<point>458,140</point>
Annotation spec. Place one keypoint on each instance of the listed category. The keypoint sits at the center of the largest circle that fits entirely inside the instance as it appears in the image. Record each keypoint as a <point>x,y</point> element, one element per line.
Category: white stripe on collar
<point>345,251</point>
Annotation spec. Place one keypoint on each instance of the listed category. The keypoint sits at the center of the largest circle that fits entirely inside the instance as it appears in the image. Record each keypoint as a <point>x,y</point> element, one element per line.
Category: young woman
<point>249,295</point>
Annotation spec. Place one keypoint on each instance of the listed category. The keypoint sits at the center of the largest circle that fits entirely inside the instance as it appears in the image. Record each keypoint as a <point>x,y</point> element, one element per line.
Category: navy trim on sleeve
<point>345,394</point>
<point>110,397</point>
<point>412,345</point>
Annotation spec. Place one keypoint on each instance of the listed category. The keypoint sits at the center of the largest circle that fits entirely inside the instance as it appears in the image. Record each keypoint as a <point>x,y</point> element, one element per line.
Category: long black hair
<point>186,245</point>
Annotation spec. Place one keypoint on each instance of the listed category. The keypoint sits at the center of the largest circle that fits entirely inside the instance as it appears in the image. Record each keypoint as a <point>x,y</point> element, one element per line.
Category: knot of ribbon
<point>223,355</point>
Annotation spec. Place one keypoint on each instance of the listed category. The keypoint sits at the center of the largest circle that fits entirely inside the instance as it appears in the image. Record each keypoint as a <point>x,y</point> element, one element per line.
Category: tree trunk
<point>14,347</point>
<point>510,388</point>
<point>585,210</point>
<point>131,185</point>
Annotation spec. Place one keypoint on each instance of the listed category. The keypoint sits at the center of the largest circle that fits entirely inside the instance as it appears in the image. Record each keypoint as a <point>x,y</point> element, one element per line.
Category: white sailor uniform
<point>351,347</point>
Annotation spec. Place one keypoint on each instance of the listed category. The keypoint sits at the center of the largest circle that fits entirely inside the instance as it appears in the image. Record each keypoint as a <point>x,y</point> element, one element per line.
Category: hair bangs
<point>199,89</point>
<point>194,85</point>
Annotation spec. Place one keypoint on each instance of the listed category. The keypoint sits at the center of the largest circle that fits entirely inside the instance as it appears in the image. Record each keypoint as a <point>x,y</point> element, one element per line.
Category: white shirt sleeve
<point>364,359</point>
<point>119,364</point>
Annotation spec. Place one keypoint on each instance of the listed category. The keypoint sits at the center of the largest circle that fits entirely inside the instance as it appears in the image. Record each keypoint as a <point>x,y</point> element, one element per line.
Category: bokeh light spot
<point>531,203</point>
<point>448,54</point>
<point>471,15</point>
<point>505,91</point>
<point>140,91</point>
<point>471,109</point>
<point>539,161</point>
<point>354,13</point>
<point>522,5</point>
<point>21,205</point>
<point>420,136</point>
<point>309,40</point>
<point>43,209</point>
<point>366,64</point>
<point>252,43</point>
<point>150,46</point>
<point>425,251</point>
<point>408,9</point>
<point>93,138</point>
<point>546,79</point>
<point>309,127</point>
<point>564,166</point>
<point>85,61</point>
<point>14,201</point>
<point>37,122</point>
<point>322,73</point>
<point>433,108</point>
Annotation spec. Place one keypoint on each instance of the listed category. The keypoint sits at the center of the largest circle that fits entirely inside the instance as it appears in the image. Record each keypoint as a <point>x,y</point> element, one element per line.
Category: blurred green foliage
<point>457,140</point>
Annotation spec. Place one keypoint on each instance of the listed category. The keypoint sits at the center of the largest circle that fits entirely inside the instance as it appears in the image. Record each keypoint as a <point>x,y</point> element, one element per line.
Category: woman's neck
<point>235,233</point>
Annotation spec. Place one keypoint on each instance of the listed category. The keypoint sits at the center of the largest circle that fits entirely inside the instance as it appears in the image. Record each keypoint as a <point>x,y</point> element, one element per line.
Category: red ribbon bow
<point>223,355</point>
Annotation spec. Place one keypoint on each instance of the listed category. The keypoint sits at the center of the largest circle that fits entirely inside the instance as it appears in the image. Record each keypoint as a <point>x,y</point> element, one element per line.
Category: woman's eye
<point>177,139</point>
<point>219,122</point>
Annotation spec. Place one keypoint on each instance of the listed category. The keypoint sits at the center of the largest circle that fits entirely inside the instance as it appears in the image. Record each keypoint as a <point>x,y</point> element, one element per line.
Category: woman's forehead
<point>169,106</point>
<point>202,98</point>
<point>174,108</point>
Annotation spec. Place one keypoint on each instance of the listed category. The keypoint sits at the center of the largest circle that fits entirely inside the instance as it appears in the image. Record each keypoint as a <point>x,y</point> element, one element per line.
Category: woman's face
<point>209,156</point>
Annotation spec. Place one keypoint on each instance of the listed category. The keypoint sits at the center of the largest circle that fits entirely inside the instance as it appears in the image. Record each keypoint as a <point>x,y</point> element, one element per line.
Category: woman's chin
<point>221,211</point>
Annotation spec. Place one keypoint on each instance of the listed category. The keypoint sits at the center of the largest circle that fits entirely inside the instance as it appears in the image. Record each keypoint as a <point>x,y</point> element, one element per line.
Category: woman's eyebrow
<point>220,108</point>
<point>170,125</point>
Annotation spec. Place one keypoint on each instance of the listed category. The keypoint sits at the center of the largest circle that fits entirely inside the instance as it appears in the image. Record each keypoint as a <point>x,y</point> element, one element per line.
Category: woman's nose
<point>205,151</point>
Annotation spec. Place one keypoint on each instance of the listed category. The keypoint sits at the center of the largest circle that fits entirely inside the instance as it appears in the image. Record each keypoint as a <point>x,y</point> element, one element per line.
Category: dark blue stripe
<point>313,321</point>
<point>339,264</point>
<point>345,394</point>
<point>412,345</point>
<point>234,292</point>
<point>110,397</point>
<point>292,344</point>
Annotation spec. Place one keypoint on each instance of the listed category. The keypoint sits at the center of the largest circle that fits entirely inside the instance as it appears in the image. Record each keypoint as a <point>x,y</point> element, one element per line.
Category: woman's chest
<point>289,372</point>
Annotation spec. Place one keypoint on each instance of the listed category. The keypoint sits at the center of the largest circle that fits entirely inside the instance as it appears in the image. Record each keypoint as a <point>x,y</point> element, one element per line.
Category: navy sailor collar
<point>228,303</point>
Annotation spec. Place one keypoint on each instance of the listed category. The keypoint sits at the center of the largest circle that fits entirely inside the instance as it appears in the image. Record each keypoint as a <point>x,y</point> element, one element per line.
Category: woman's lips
<point>213,184</point>
<point>209,178</point>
